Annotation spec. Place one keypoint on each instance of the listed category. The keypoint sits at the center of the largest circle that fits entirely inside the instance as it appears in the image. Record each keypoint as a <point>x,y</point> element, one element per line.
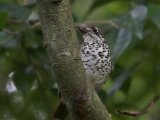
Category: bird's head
<point>90,33</point>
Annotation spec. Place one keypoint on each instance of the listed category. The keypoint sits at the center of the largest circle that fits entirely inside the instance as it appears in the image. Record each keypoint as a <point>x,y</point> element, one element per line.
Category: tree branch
<point>62,47</point>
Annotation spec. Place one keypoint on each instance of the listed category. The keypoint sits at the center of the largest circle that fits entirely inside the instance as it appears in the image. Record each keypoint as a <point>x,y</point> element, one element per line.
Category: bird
<point>95,55</point>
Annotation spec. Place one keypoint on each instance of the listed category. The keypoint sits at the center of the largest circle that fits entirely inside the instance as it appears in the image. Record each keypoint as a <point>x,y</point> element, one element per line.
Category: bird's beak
<point>82,29</point>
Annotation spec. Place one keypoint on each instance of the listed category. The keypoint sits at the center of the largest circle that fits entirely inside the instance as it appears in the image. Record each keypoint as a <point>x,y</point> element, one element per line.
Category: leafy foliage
<point>27,86</point>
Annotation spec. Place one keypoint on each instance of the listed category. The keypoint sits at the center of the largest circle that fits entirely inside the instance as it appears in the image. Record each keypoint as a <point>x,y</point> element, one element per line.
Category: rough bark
<point>63,50</point>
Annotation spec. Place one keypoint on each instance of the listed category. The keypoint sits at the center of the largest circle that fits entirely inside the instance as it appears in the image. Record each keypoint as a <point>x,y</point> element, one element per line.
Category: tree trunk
<point>62,47</point>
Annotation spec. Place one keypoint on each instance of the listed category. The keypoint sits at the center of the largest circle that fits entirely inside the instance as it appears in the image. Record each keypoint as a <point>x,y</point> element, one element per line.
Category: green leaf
<point>5,68</point>
<point>98,3</point>
<point>15,11</point>
<point>4,38</point>
<point>154,14</point>
<point>108,11</point>
<point>122,78</point>
<point>123,40</point>
<point>81,7</point>
<point>3,19</point>
<point>32,40</point>
<point>7,1</point>
<point>7,42</point>
<point>17,55</point>
<point>139,15</point>
<point>134,21</point>
<point>24,79</point>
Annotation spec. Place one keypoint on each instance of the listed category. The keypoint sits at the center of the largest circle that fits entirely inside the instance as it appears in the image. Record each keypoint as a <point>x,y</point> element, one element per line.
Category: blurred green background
<point>28,89</point>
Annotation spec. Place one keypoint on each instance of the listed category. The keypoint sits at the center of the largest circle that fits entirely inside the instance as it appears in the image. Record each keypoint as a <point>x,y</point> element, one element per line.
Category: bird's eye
<point>95,30</point>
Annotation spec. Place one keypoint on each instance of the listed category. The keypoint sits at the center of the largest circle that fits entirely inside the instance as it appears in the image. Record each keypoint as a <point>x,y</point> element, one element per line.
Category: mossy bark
<point>63,51</point>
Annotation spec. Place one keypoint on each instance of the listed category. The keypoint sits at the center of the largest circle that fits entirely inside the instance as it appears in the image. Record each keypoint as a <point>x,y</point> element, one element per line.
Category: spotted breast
<point>95,55</point>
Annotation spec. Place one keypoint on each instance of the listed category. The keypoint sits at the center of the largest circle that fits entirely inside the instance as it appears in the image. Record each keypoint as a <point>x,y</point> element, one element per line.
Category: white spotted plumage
<point>95,55</point>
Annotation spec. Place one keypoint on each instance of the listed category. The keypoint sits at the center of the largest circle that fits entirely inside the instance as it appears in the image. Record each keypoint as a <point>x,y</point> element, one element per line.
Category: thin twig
<point>108,22</point>
<point>36,23</point>
<point>138,113</point>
